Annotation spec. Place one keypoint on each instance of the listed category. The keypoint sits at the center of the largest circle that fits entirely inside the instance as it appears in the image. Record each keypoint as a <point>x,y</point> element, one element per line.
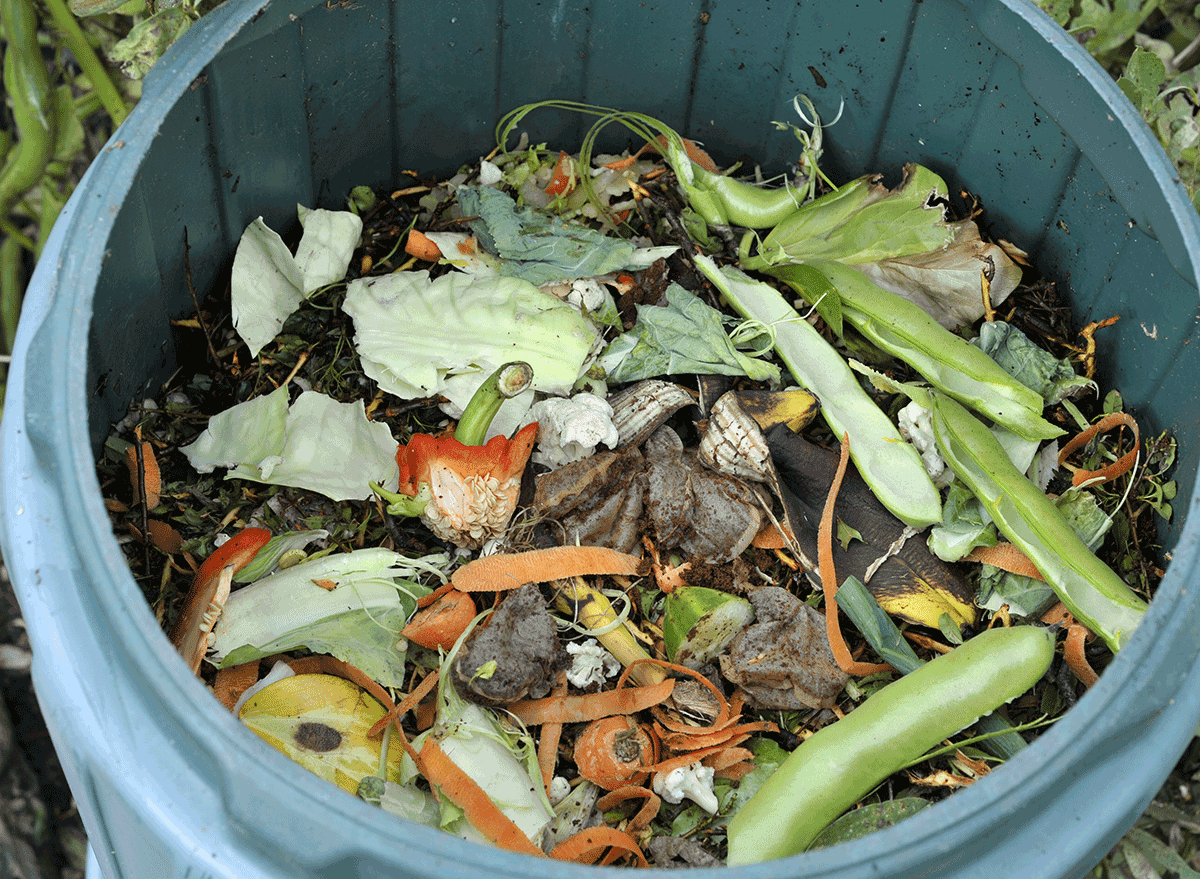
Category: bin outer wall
<point>265,105</point>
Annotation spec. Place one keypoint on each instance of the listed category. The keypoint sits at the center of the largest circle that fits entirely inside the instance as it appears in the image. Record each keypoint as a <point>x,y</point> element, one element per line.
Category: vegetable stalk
<point>595,612</point>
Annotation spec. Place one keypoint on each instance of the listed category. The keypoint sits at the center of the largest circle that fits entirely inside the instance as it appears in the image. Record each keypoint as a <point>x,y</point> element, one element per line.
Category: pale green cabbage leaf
<point>317,443</point>
<point>269,283</point>
<point>419,337</point>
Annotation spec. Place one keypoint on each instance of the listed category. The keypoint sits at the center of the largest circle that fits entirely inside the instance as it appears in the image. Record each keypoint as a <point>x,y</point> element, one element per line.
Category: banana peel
<point>794,407</point>
<point>906,579</point>
<point>321,722</point>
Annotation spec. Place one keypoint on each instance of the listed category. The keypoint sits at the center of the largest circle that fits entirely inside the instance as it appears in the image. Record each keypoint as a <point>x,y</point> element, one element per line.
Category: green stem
<point>402,504</point>
<point>507,381</point>
<point>11,290</point>
<point>11,231</point>
<point>77,42</point>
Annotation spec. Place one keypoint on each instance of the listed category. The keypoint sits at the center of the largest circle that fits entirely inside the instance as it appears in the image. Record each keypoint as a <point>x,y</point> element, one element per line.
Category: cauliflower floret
<point>694,781</point>
<point>590,663</point>
<point>570,429</point>
<point>560,789</point>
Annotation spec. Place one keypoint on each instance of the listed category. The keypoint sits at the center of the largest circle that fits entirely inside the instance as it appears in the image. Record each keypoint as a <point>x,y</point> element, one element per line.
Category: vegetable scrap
<point>622,508</point>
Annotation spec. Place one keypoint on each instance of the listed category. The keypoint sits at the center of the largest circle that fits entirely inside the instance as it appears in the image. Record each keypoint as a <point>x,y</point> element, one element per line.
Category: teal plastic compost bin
<point>266,104</point>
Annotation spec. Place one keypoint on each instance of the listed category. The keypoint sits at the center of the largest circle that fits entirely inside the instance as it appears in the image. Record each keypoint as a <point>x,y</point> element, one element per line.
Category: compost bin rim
<point>131,620</point>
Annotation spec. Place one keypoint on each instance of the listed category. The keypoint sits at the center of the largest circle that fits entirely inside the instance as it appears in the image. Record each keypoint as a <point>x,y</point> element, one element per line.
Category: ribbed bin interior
<point>357,93</point>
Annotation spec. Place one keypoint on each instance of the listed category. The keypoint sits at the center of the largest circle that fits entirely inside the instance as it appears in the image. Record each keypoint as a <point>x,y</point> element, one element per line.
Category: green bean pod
<point>28,88</point>
<point>737,202</point>
<point>1090,589</point>
<point>889,465</point>
<point>948,362</point>
<point>841,763</point>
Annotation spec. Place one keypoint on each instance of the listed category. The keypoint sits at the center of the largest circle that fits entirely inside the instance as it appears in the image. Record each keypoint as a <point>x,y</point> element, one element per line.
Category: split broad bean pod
<point>600,642</point>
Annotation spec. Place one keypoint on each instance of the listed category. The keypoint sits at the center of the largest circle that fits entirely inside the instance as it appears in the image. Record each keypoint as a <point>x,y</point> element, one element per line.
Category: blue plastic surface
<point>263,105</point>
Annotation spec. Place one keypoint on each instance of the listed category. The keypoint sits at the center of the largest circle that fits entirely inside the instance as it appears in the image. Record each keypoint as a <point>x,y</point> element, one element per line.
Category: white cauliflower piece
<point>560,789</point>
<point>694,781</point>
<point>917,427</point>
<point>590,663</point>
<point>587,295</point>
<point>569,429</point>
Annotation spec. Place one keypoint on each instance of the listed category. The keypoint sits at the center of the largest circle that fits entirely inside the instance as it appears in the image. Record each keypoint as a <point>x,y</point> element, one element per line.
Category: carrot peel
<point>828,574</point>
<point>590,706</point>
<point>495,573</point>
<point>586,846</point>
<point>462,790</point>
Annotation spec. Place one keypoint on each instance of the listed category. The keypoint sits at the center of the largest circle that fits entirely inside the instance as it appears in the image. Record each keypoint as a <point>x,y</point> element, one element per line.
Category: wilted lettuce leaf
<point>965,525</point>
<point>684,336</point>
<point>1032,366</point>
<point>538,247</point>
<point>363,638</point>
<point>266,441</point>
<point>358,620</point>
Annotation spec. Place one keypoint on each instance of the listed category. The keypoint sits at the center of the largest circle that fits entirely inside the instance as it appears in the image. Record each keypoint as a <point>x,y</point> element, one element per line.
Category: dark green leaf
<point>876,626</point>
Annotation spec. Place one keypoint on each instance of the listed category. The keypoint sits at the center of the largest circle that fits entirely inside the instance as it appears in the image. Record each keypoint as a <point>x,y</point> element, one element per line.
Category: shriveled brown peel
<point>150,479</point>
<point>1007,557</point>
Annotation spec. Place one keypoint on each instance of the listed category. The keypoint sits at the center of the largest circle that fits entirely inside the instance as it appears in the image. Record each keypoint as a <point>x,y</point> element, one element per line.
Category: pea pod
<point>1089,588</point>
<point>841,763</point>
<point>948,362</point>
<point>888,464</point>
<point>723,200</point>
<point>28,88</point>
<point>718,199</point>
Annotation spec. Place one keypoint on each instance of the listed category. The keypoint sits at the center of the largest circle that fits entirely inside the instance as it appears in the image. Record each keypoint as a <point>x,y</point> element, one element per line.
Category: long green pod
<point>1090,589</point>
<point>948,362</point>
<point>740,203</point>
<point>28,88</point>
<point>889,464</point>
<point>841,763</point>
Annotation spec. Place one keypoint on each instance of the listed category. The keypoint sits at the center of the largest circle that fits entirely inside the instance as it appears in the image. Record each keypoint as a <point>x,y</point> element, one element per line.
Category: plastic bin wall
<point>266,104</point>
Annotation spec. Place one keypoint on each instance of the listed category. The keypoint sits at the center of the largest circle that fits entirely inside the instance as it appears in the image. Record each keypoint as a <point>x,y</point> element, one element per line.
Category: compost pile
<point>625,509</point>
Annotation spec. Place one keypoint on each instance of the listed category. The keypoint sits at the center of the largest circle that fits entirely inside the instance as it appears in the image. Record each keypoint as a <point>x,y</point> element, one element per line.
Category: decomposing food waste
<point>629,509</point>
